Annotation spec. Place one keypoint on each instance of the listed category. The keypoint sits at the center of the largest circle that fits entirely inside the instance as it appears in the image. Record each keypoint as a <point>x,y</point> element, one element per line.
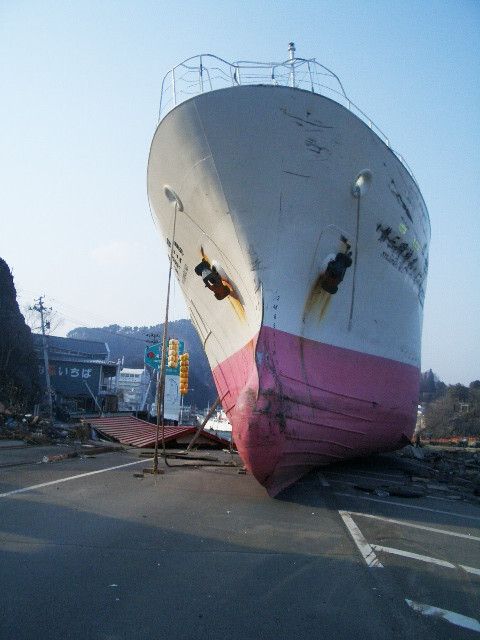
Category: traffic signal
<point>173,353</point>
<point>184,374</point>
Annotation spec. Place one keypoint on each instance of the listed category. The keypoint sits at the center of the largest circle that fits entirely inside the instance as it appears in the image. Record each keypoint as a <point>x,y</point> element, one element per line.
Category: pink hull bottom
<point>295,404</point>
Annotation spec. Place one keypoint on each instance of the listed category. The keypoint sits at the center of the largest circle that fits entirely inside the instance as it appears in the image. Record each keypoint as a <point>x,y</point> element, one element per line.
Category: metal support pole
<point>291,52</point>
<point>94,398</point>
<point>201,75</point>
<point>173,88</point>
<point>206,419</point>
<point>161,376</point>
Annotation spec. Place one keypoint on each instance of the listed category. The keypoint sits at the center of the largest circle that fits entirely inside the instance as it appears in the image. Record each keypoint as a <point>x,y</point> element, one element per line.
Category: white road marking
<point>80,475</point>
<point>363,546</point>
<point>414,556</point>
<point>450,616</point>
<point>417,556</point>
<point>407,506</point>
<point>470,569</point>
<point>466,536</point>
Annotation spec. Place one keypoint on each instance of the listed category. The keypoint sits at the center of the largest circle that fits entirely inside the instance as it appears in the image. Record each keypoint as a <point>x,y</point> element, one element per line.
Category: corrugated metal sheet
<point>139,433</point>
<point>73,347</point>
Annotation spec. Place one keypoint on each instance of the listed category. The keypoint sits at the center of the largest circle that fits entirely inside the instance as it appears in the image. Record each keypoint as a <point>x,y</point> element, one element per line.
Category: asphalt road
<point>205,553</point>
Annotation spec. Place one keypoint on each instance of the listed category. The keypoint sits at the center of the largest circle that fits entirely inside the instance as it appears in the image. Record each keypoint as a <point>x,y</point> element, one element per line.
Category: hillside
<point>129,343</point>
<point>19,386</point>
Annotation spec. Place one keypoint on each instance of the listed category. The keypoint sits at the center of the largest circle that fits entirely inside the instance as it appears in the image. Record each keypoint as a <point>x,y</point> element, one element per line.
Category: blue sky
<point>80,92</point>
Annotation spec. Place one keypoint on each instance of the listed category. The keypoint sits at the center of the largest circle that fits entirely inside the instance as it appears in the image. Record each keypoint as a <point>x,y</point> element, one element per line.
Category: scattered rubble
<point>26,430</point>
<point>35,430</point>
<point>450,473</point>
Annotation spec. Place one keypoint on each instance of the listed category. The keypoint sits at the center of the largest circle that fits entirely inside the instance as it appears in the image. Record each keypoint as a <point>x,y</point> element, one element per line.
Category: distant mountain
<point>128,343</point>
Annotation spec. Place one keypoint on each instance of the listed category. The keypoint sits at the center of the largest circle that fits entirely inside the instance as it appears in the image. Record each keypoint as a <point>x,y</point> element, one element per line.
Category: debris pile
<point>37,430</point>
<point>450,473</point>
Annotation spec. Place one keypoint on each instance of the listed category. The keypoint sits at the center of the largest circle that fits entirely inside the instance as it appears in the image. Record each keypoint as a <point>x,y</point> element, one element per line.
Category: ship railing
<point>207,72</point>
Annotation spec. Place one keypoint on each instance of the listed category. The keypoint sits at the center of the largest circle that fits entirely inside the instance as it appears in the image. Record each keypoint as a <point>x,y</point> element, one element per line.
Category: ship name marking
<point>404,257</point>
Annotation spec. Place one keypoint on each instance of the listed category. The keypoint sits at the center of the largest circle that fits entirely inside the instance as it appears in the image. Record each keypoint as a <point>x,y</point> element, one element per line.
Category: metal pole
<point>291,52</point>
<point>94,398</point>
<point>161,376</point>
<point>206,419</point>
<point>40,308</point>
<point>173,88</point>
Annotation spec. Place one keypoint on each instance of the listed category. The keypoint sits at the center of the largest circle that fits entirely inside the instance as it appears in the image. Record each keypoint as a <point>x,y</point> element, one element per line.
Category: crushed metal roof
<point>134,432</point>
<point>73,347</point>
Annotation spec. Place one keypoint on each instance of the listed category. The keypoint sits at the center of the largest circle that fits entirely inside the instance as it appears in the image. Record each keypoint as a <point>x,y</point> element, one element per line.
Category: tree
<point>456,413</point>
<point>19,384</point>
<point>458,392</point>
<point>431,387</point>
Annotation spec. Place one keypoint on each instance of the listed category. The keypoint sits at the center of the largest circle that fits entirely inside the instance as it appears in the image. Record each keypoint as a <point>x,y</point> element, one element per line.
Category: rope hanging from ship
<point>221,291</point>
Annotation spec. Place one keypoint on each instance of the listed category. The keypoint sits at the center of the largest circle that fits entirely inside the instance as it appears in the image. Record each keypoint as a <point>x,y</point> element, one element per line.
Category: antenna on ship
<point>291,55</point>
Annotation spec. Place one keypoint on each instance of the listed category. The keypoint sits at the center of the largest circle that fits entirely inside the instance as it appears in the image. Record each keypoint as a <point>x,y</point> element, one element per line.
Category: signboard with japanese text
<point>72,378</point>
<point>172,380</point>
<point>172,399</point>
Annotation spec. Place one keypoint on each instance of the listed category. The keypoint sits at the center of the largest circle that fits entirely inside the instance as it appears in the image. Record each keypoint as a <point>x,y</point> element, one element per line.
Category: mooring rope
<point>161,381</point>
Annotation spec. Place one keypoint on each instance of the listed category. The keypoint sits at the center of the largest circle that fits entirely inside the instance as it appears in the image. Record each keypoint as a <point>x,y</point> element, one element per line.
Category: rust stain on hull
<point>233,296</point>
<point>318,300</point>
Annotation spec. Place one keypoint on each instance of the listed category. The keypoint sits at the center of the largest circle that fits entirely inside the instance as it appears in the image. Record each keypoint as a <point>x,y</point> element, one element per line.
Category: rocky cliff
<point>19,387</point>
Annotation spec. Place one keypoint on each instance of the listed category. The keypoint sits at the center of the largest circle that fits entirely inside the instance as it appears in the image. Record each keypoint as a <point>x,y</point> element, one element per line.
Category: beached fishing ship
<point>300,241</point>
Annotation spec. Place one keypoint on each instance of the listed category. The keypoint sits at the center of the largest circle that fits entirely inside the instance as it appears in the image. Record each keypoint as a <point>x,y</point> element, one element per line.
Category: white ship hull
<point>261,180</point>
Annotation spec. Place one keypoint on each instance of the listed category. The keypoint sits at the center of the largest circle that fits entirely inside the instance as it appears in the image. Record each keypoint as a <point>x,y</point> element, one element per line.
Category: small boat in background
<point>220,425</point>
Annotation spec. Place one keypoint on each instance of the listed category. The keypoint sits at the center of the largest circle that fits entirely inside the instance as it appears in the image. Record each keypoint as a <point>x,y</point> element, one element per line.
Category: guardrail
<point>207,72</point>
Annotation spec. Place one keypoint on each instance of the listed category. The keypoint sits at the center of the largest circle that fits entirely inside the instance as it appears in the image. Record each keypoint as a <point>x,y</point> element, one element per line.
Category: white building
<point>132,386</point>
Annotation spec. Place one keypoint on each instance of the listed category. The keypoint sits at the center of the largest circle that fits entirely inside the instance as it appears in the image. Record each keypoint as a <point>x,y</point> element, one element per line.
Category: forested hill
<point>19,385</point>
<point>129,343</point>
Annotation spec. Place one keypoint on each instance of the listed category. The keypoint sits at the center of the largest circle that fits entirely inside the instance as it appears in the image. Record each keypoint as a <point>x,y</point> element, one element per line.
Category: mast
<point>291,55</point>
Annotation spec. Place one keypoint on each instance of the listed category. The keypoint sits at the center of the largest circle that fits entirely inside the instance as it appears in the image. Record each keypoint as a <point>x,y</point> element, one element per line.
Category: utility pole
<point>40,307</point>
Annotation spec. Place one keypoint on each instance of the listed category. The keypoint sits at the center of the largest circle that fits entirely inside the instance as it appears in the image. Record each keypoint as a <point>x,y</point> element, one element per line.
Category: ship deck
<point>90,548</point>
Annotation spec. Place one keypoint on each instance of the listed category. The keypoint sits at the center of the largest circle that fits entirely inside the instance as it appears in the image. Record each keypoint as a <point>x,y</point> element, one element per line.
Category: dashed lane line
<point>402,523</point>
<point>365,549</point>
<point>395,503</point>
<point>450,616</point>
<point>80,475</point>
